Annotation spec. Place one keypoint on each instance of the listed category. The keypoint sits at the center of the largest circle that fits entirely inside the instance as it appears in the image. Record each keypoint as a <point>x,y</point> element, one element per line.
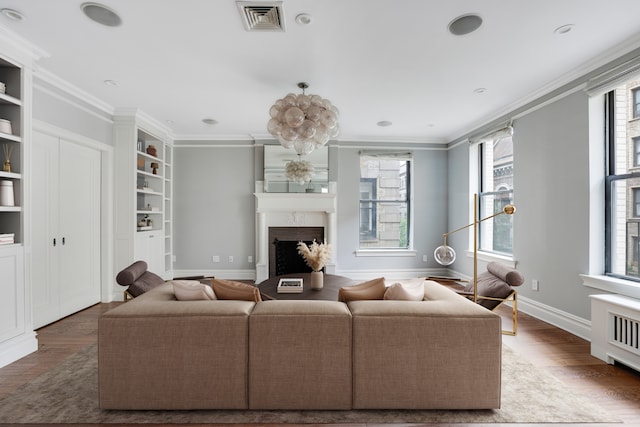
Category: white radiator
<point>615,321</point>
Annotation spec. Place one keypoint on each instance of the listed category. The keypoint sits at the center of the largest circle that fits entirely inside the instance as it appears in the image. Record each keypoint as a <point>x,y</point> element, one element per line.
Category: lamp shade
<point>444,255</point>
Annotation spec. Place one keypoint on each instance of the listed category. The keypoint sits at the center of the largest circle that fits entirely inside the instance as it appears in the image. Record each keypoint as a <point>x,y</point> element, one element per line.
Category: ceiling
<point>181,61</point>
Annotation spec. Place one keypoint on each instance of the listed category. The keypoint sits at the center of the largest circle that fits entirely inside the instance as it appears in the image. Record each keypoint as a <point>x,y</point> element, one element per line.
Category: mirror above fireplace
<point>276,158</point>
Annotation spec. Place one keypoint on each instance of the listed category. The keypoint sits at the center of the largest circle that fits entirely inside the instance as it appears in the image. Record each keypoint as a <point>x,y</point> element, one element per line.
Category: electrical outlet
<point>535,285</point>
<point>215,258</point>
<point>424,258</point>
<point>249,259</point>
<point>230,258</point>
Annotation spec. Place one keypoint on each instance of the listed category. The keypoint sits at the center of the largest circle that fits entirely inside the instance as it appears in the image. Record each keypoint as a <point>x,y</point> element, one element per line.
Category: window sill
<point>612,284</point>
<point>489,257</point>
<point>385,252</point>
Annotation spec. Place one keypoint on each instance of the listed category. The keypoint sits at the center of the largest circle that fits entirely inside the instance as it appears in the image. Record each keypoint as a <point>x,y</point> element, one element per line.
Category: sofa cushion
<point>192,290</point>
<point>228,289</point>
<point>405,292</point>
<point>372,289</point>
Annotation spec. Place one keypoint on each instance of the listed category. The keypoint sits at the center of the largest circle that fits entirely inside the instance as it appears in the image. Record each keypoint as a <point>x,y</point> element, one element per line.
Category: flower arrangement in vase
<point>316,257</point>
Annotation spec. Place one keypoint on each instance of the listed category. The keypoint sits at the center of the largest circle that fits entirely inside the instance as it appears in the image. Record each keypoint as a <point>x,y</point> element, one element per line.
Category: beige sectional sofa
<point>159,353</point>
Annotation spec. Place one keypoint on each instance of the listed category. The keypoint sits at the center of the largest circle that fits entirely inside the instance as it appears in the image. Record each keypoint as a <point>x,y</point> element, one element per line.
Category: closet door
<point>65,270</point>
<point>79,219</point>
<point>44,226</point>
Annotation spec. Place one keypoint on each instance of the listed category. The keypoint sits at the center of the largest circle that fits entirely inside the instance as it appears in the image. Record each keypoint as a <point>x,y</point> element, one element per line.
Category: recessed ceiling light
<point>101,14</point>
<point>564,29</point>
<point>465,24</point>
<point>304,19</point>
<point>12,14</point>
<point>480,90</point>
<point>210,122</point>
<point>111,83</point>
<point>384,123</point>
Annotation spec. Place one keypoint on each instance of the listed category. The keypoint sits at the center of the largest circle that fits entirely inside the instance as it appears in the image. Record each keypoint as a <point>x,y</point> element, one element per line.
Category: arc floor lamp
<point>445,255</point>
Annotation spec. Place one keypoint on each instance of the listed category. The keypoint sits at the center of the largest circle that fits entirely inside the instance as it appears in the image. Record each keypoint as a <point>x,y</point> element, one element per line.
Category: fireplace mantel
<point>293,210</point>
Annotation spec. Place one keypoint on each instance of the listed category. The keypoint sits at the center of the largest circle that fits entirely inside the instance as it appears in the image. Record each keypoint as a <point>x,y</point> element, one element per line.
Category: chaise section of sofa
<point>158,353</point>
<point>300,355</point>
<point>441,353</point>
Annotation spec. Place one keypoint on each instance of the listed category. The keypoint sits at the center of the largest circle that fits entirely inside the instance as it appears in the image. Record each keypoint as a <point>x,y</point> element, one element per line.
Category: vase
<point>317,280</point>
<point>7,166</point>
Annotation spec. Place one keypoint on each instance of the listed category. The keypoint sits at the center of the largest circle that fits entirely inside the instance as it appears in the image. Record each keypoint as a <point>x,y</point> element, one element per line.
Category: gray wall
<point>551,180</point>
<point>213,207</point>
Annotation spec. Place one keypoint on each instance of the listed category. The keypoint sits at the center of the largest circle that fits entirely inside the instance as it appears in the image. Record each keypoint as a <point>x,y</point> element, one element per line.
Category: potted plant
<point>316,257</point>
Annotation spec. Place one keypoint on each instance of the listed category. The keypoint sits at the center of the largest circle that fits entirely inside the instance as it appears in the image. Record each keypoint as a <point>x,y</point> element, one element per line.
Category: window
<point>496,190</point>
<point>385,183</point>
<point>622,190</point>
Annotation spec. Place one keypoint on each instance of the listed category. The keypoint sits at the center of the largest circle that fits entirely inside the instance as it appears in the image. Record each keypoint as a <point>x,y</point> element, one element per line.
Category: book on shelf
<point>7,239</point>
<point>290,286</point>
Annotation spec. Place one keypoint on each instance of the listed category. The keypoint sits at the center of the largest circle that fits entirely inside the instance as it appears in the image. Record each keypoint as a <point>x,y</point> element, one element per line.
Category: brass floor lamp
<point>445,255</point>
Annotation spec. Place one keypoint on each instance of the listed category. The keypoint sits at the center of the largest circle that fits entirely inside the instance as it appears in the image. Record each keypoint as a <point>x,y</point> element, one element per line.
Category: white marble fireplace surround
<point>293,210</point>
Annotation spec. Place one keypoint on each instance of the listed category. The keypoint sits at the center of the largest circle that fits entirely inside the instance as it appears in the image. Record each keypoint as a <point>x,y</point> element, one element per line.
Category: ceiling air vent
<point>262,16</point>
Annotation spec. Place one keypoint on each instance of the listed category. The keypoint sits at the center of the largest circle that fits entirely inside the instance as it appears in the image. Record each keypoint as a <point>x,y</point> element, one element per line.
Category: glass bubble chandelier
<point>303,122</point>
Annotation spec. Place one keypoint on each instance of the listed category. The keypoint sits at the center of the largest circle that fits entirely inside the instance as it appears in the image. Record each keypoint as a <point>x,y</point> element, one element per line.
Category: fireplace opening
<point>283,249</point>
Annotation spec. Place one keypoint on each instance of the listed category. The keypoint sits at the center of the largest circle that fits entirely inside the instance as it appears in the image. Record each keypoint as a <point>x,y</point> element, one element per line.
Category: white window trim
<point>489,257</point>
<point>612,284</point>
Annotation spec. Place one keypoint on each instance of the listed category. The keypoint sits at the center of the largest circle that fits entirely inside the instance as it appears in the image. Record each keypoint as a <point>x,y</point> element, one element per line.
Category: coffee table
<point>329,291</point>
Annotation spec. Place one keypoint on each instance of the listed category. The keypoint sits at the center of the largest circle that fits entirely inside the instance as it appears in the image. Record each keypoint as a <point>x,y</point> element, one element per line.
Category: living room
<point>558,230</point>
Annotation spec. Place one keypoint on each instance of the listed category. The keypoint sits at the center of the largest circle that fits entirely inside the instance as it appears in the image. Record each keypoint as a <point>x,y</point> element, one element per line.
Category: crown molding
<point>575,77</point>
<point>59,83</point>
<point>22,46</point>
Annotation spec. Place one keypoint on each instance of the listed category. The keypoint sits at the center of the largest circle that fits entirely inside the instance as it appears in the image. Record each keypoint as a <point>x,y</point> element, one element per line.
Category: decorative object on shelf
<point>154,166</point>
<point>299,171</point>
<point>152,151</point>
<point>445,255</point>
<point>7,239</point>
<point>5,126</point>
<point>3,87</point>
<point>8,149</point>
<point>303,122</point>
<point>6,193</point>
<point>316,256</point>
<point>140,145</point>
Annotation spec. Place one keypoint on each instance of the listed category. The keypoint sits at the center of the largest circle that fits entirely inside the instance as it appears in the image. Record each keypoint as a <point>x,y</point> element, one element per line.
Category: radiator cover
<point>615,322</point>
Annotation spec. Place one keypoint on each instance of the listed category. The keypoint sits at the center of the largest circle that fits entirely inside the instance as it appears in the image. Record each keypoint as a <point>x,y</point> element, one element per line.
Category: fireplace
<point>300,216</point>
<point>283,248</point>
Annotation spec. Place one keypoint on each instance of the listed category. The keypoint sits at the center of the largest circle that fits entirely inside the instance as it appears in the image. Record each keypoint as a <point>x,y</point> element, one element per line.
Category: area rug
<point>69,394</point>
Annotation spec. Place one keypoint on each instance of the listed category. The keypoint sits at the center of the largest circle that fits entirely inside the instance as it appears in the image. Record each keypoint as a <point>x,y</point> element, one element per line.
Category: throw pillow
<point>228,289</point>
<point>372,289</point>
<point>405,292</point>
<point>192,290</point>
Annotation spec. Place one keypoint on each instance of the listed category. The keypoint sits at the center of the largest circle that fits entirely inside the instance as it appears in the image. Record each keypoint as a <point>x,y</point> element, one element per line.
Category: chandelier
<point>303,122</point>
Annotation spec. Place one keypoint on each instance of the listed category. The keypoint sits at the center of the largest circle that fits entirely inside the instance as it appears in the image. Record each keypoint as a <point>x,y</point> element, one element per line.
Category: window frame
<point>497,194</point>
<point>392,251</point>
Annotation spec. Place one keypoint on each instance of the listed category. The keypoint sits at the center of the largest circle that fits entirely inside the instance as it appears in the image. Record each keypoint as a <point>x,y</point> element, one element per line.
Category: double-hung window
<point>385,197</point>
<point>622,189</point>
<point>496,191</point>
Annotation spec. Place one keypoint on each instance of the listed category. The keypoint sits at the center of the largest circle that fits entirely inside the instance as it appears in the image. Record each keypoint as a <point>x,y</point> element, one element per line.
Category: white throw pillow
<point>192,290</point>
<point>405,292</point>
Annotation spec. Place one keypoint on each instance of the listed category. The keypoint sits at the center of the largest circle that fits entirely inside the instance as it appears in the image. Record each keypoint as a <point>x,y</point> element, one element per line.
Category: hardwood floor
<point>614,388</point>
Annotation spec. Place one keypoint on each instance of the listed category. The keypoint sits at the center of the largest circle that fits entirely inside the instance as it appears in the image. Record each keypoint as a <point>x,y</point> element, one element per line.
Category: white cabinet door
<point>79,233</point>
<point>44,225</point>
<point>149,247</point>
<point>66,228</point>
<point>12,287</point>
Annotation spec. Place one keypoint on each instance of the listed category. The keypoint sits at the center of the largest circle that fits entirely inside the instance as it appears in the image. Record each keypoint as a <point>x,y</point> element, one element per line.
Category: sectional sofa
<point>159,353</point>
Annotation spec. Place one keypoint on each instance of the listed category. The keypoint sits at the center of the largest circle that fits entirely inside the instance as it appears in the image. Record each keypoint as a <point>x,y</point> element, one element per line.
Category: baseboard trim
<point>17,348</point>
<point>220,274</point>
<point>561,319</point>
